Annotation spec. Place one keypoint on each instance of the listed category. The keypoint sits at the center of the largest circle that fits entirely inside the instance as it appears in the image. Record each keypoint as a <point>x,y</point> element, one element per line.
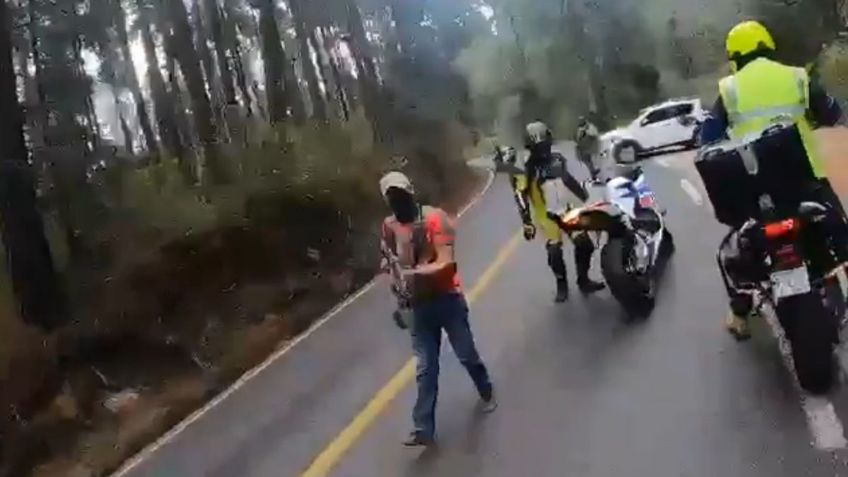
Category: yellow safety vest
<point>764,92</point>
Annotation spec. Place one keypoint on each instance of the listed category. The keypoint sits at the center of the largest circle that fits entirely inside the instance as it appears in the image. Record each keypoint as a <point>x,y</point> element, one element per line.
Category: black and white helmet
<point>536,134</point>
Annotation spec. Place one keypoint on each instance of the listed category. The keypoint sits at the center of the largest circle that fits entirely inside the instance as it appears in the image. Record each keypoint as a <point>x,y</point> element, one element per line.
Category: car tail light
<point>781,229</point>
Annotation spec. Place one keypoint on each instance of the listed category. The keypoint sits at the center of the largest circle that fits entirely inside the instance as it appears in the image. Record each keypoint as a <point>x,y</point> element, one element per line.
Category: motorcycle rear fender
<point>598,217</point>
<point>812,211</point>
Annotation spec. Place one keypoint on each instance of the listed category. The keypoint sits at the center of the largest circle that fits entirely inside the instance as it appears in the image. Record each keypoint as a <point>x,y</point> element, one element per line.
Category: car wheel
<point>626,152</point>
<point>694,143</point>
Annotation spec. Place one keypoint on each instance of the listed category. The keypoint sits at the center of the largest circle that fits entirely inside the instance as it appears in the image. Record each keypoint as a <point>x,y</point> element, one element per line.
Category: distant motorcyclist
<point>498,157</point>
<point>542,192</point>
<point>510,155</point>
<point>587,139</point>
<point>760,92</point>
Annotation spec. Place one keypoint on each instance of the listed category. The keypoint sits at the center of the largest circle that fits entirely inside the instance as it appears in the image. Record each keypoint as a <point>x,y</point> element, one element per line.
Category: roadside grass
<point>194,287</point>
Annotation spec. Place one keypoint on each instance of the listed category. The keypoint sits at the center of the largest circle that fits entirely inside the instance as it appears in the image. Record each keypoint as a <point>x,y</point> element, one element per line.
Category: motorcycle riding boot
<point>557,264</point>
<point>587,160</point>
<point>594,171</point>
<point>583,249</point>
<point>739,317</point>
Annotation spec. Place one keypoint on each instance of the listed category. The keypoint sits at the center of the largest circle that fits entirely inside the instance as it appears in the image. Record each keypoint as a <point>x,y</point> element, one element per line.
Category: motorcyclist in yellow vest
<point>760,92</point>
<point>545,180</point>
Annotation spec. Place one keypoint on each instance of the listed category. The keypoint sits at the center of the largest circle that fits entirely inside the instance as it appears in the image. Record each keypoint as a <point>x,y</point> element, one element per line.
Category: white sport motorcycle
<point>638,239</point>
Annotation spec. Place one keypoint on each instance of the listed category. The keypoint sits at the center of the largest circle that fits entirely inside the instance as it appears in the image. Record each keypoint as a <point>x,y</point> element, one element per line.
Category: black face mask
<point>541,150</point>
<point>403,205</point>
<point>540,156</point>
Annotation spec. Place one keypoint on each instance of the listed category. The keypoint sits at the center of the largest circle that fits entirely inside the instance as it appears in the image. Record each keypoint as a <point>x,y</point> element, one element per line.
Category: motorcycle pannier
<point>738,173</point>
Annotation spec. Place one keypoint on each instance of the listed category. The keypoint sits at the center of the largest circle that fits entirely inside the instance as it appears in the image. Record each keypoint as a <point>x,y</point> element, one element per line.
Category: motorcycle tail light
<point>780,229</point>
<point>646,201</point>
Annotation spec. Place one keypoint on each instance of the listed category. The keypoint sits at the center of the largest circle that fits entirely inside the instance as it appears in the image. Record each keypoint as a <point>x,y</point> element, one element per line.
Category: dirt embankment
<point>834,144</point>
<point>170,329</point>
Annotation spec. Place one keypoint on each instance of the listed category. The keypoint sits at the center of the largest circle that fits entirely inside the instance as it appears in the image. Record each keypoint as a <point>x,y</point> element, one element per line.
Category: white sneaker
<point>487,407</point>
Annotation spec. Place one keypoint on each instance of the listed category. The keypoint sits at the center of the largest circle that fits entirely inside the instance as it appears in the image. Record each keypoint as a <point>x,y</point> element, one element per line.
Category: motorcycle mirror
<point>811,210</point>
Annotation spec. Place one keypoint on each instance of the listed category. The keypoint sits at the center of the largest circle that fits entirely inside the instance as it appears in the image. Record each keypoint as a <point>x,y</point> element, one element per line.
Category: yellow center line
<point>336,449</point>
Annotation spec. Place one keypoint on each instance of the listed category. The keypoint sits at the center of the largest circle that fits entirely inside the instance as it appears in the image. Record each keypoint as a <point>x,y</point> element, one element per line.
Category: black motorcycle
<point>782,247</point>
<point>790,264</point>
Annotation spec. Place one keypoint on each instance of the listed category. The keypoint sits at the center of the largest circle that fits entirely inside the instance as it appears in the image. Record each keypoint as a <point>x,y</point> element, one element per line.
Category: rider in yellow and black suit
<point>541,193</point>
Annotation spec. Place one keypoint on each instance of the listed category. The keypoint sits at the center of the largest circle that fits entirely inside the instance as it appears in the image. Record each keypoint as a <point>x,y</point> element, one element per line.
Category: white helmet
<point>537,133</point>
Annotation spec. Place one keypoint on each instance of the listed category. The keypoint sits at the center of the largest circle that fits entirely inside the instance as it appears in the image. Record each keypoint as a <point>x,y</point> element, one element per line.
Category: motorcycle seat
<point>630,173</point>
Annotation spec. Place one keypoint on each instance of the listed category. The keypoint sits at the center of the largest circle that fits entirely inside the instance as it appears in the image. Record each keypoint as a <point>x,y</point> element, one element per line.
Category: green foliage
<point>156,197</point>
<point>832,68</point>
<point>556,60</point>
<point>314,161</point>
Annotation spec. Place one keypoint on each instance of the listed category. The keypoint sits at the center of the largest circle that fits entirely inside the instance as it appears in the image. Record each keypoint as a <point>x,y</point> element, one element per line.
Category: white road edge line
<point>691,191</point>
<point>662,161</point>
<point>824,424</point>
<point>150,449</point>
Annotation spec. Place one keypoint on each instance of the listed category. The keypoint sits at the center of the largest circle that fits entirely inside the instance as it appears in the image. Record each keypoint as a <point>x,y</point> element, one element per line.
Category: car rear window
<point>657,116</point>
<point>669,112</point>
<point>683,109</point>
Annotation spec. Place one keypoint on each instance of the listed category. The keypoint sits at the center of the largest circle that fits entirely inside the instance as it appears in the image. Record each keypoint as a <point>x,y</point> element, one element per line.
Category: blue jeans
<point>448,312</point>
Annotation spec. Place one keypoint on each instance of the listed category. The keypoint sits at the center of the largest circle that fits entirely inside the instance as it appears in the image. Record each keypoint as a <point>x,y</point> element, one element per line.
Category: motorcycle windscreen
<point>558,198</point>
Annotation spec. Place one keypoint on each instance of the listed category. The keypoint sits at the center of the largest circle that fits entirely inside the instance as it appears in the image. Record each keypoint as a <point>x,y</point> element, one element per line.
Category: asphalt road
<point>581,392</point>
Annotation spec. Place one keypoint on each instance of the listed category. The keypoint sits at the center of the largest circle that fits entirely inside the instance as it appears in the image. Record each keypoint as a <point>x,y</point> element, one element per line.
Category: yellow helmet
<point>748,37</point>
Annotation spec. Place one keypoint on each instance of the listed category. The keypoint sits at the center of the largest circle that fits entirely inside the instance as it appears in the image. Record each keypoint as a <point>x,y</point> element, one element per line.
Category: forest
<point>186,184</point>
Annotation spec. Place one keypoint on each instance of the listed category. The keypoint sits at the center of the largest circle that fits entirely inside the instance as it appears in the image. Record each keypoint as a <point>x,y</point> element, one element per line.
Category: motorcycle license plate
<point>786,283</point>
<point>646,200</point>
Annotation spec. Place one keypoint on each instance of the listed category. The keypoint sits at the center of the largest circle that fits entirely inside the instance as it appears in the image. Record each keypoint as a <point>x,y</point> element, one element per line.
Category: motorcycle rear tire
<point>635,293</point>
<point>810,330</point>
<point>667,247</point>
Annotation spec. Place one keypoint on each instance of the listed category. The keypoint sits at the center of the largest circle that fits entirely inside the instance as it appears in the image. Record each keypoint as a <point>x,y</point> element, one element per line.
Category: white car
<point>673,123</point>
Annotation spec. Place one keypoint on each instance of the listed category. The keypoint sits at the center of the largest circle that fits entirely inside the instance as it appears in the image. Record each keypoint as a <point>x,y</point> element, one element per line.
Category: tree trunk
<point>326,59</point>
<point>576,22</point>
<point>305,35</point>
<point>341,95</point>
<point>188,162</point>
<point>36,288</point>
<point>359,42</point>
<point>125,130</point>
<point>407,17</point>
<point>186,55</point>
<point>175,87</point>
<point>241,76</point>
<point>213,11</point>
<point>334,85</point>
<point>132,78</point>
<point>201,35</point>
<point>275,62</point>
<point>35,118</point>
<point>92,139</point>
<point>163,105</point>
<point>294,98</point>
<point>368,81</point>
<point>213,78</point>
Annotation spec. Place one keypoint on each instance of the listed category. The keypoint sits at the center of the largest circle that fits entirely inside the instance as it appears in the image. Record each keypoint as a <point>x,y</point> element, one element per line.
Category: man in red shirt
<point>420,242</point>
